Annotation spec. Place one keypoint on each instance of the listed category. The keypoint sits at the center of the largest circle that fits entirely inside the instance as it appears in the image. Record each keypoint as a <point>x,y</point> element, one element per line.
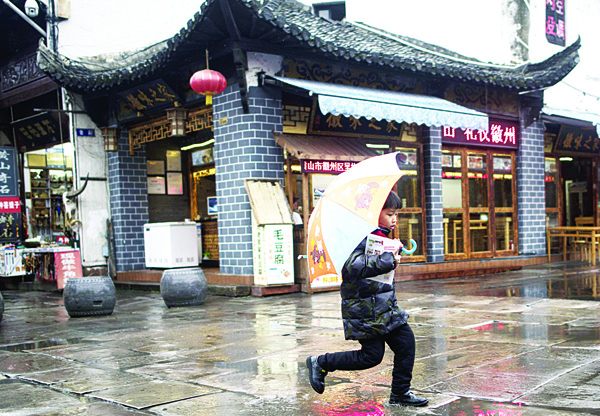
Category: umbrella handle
<point>413,249</point>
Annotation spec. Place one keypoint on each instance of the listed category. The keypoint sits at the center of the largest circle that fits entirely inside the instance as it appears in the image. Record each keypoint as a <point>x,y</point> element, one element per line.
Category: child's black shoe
<point>316,375</point>
<point>407,399</point>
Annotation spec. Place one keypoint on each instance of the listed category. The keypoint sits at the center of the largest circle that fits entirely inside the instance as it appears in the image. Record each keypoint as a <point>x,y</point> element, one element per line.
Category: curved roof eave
<point>338,40</point>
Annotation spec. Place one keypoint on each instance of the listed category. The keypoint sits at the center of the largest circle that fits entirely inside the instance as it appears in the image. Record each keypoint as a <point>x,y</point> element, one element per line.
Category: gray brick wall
<point>531,191</point>
<point>128,204</point>
<point>244,149</point>
<point>432,158</point>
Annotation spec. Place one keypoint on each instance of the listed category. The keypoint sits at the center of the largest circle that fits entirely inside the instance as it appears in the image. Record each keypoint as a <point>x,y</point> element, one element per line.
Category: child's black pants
<point>401,341</point>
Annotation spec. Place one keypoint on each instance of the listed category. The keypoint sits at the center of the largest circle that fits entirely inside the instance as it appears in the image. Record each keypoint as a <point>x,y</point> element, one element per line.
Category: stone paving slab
<point>83,380</point>
<point>152,393</point>
<point>489,385</point>
<point>579,389</point>
<point>519,333</point>
<point>453,318</point>
<point>90,353</point>
<point>249,349</point>
<point>468,406</point>
<point>246,355</point>
<point>509,378</point>
<point>439,331</point>
<point>433,369</point>
<point>545,362</point>
<point>19,363</point>
<point>125,363</point>
<point>94,409</point>
<point>274,376</point>
<point>23,399</point>
<point>585,323</point>
<point>343,399</point>
<point>539,319</point>
<point>182,370</point>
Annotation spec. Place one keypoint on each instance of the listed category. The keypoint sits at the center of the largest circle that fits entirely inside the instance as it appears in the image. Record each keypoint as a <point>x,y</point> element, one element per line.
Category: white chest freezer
<point>171,244</point>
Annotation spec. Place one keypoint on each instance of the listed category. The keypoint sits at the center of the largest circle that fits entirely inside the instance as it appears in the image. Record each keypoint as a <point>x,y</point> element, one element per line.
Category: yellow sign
<point>204,172</point>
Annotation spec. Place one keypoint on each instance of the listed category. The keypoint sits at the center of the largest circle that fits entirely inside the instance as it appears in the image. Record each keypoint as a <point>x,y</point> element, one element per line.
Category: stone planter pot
<point>183,287</point>
<point>89,296</point>
<point>1,306</point>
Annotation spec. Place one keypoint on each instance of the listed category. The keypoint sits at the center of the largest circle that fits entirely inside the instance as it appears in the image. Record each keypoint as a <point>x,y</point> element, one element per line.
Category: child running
<point>371,315</point>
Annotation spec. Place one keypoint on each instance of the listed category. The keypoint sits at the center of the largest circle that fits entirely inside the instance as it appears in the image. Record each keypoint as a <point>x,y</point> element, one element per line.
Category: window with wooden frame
<point>411,217</point>
<point>553,191</point>
<point>479,203</point>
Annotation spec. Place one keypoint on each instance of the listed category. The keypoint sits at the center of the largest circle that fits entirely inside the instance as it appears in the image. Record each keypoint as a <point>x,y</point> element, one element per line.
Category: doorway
<point>479,203</point>
<point>578,188</point>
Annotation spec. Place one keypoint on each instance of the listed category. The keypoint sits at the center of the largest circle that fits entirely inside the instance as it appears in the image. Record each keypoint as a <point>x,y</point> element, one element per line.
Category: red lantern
<point>208,82</point>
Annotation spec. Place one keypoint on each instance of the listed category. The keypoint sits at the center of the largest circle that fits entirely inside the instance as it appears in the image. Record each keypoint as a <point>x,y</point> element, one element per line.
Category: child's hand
<point>398,258</point>
<point>397,255</point>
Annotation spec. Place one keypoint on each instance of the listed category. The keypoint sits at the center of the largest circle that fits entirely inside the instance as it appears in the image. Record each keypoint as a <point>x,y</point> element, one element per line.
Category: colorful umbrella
<point>347,212</point>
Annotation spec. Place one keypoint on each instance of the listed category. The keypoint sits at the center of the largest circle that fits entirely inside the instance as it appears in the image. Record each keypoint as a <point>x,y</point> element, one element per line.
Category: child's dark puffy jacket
<point>369,308</point>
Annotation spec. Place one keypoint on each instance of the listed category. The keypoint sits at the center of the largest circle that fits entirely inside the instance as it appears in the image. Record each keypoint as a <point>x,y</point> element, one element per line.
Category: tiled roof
<point>290,25</point>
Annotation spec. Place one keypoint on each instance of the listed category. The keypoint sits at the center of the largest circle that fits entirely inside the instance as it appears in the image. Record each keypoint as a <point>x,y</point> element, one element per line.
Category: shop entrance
<point>204,200</point>
<point>479,200</point>
<point>578,190</point>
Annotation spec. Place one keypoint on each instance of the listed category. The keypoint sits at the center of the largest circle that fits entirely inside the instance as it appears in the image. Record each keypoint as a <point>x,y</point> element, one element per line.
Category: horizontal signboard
<point>501,134</point>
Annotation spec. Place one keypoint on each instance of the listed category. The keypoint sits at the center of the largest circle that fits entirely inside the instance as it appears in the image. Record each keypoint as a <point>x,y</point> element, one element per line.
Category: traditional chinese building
<point>307,97</point>
<point>571,150</point>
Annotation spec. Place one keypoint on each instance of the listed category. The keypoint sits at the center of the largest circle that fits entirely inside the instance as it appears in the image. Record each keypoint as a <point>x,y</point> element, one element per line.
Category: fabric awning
<point>572,117</point>
<point>324,148</point>
<point>387,105</point>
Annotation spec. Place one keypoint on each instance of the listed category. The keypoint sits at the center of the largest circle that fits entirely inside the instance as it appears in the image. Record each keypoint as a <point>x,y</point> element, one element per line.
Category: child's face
<point>388,218</point>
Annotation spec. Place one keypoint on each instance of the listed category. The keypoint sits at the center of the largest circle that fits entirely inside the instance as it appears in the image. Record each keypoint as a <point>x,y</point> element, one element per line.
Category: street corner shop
<point>286,107</point>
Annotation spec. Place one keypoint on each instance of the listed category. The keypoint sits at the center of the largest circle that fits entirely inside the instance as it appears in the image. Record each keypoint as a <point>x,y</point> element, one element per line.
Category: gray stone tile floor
<point>519,343</point>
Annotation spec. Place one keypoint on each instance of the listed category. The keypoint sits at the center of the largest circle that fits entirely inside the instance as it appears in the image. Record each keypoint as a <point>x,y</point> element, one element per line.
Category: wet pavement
<point>518,343</point>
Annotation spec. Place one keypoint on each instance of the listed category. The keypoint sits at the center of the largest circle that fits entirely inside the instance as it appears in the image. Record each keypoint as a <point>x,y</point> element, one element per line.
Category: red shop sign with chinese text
<point>67,265</point>
<point>326,166</point>
<point>503,134</point>
<point>10,204</point>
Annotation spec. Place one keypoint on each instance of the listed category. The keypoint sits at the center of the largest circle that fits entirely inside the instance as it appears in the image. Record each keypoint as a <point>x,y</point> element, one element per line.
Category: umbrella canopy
<point>346,213</point>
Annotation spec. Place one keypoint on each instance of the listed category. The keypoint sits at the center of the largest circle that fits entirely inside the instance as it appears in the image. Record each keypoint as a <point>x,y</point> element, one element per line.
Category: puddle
<point>573,282</point>
<point>473,407</point>
<point>573,286</point>
<point>32,345</point>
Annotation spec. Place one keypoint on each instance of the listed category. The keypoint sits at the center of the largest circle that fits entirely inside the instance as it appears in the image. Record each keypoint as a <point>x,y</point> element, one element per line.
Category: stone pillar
<point>531,191</point>
<point>432,157</point>
<point>244,149</point>
<point>128,204</point>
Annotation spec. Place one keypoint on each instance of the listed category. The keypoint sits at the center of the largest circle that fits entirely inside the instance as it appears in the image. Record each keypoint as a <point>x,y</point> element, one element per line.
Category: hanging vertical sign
<point>8,172</point>
<point>555,22</point>
<point>10,204</point>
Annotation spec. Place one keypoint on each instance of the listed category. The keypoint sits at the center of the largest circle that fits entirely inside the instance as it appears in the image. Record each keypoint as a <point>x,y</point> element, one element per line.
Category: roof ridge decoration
<point>297,29</point>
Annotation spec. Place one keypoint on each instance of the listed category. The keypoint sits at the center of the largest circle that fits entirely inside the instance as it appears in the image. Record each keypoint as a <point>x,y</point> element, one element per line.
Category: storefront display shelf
<point>48,184</point>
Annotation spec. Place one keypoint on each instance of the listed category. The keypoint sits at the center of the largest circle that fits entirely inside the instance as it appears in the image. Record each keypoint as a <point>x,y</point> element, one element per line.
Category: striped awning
<point>371,103</point>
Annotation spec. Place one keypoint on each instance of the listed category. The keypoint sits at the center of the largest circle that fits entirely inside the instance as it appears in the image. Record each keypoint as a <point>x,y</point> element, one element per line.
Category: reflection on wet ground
<point>565,280</point>
<point>518,343</point>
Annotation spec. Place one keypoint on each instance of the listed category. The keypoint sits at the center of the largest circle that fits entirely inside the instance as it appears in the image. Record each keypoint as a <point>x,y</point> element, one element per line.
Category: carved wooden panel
<point>484,99</point>
<point>19,73</point>
<point>337,74</point>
